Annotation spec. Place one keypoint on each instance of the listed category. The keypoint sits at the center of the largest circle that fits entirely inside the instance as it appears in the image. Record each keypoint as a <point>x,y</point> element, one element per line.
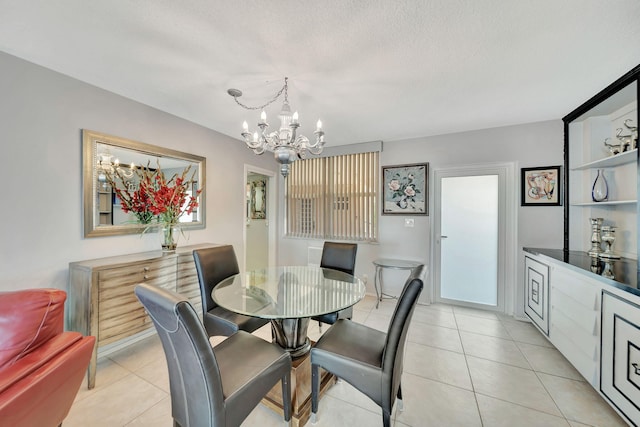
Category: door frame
<point>507,230</point>
<point>272,183</point>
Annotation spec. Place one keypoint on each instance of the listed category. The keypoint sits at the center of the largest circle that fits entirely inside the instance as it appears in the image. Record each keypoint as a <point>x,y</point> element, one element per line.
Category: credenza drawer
<point>136,272</point>
<point>584,341</point>
<point>582,289</point>
<point>584,318</point>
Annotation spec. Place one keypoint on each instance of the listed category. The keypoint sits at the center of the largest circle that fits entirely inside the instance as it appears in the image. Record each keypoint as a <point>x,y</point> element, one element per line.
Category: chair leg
<point>400,402</point>
<point>320,326</point>
<point>315,390</point>
<point>386,419</point>
<point>286,396</point>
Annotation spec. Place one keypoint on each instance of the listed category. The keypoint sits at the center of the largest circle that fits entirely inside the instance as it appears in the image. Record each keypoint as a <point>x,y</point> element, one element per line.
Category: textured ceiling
<point>371,70</point>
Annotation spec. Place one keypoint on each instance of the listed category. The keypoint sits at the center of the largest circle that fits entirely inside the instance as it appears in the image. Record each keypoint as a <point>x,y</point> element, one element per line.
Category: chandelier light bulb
<point>245,126</point>
<point>255,137</point>
<point>263,117</point>
<point>319,125</point>
<point>295,117</point>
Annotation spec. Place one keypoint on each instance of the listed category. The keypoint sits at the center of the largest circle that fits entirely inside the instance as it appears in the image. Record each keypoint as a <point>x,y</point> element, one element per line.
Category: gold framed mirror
<point>102,209</point>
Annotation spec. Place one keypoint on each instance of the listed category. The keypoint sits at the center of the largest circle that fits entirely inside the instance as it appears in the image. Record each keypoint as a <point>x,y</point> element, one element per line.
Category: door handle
<point>444,237</point>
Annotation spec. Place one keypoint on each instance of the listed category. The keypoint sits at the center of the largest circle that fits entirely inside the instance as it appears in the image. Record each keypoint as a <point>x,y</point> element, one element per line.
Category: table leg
<point>300,391</point>
<point>291,334</point>
<point>377,281</point>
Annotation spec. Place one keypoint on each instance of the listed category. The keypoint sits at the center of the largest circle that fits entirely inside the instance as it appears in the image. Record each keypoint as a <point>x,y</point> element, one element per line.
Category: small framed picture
<point>404,189</point>
<point>541,186</point>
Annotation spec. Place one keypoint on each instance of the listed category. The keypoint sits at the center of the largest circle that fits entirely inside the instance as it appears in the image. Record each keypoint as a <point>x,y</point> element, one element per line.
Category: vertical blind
<point>334,198</point>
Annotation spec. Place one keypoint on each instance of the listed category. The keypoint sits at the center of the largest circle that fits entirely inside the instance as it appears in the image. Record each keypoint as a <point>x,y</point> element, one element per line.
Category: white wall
<point>529,145</point>
<point>41,117</point>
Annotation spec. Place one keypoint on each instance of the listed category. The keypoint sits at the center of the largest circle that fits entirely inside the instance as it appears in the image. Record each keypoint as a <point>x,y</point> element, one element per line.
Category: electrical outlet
<point>408,222</point>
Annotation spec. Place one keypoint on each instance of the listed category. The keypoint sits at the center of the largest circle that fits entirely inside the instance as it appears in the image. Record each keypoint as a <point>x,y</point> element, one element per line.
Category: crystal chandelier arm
<point>259,150</point>
<point>248,139</point>
<point>301,142</point>
<point>316,149</point>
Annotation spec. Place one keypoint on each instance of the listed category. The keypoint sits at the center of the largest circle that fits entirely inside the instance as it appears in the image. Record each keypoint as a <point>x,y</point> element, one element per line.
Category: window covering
<point>334,198</point>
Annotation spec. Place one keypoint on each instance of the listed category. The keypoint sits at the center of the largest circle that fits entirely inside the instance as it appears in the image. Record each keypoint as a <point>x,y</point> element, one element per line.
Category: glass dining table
<point>289,297</point>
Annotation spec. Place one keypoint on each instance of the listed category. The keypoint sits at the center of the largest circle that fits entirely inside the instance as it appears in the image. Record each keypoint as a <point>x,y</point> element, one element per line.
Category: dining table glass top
<point>288,292</point>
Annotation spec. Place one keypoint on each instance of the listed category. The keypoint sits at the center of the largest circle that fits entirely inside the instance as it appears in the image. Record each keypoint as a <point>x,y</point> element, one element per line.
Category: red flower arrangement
<point>155,196</point>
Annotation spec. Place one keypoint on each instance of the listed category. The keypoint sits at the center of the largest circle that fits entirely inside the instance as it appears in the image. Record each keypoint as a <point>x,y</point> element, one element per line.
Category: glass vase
<point>600,190</point>
<point>169,237</point>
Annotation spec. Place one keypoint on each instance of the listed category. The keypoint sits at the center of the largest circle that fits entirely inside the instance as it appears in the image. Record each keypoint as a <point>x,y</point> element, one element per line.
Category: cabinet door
<point>620,354</point>
<point>537,293</point>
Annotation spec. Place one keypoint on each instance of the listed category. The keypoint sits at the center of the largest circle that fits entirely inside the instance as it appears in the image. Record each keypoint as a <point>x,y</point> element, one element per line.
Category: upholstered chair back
<point>194,376</point>
<point>214,265</point>
<point>339,256</point>
<point>393,357</point>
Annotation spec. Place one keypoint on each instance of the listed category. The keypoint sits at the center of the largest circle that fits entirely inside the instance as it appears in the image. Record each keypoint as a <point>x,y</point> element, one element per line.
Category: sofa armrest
<point>43,395</point>
<point>36,359</point>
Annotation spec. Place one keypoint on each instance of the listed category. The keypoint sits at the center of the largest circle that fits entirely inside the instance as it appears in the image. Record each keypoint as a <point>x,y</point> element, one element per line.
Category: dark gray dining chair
<point>214,265</point>
<point>341,257</point>
<point>366,358</point>
<point>213,387</point>
<point>416,273</point>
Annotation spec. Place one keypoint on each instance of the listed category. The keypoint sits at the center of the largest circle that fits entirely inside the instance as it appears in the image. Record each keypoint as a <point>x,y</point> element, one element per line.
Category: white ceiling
<point>371,70</point>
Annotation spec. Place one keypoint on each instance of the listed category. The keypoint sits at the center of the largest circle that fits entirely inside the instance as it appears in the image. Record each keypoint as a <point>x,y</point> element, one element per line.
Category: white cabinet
<point>537,292</point>
<point>620,366</point>
<point>575,306</point>
<point>593,322</point>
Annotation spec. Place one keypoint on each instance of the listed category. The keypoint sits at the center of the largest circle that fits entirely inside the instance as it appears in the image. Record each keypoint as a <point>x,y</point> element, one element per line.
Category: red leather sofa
<point>41,366</point>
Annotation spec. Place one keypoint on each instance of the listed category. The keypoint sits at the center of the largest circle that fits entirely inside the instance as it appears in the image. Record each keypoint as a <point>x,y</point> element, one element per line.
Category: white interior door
<point>470,236</point>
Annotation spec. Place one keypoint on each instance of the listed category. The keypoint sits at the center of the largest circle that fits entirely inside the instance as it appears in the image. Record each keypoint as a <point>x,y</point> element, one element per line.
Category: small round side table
<point>394,264</point>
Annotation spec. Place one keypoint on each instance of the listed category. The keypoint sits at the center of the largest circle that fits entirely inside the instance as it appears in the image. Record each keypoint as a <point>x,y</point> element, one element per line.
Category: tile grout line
<point>466,362</point>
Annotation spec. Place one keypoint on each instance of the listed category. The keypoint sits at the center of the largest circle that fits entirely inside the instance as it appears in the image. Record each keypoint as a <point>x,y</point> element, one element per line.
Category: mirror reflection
<point>115,173</point>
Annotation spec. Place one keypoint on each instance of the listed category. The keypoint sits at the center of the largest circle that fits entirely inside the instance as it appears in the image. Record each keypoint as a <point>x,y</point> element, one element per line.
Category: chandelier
<point>107,165</point>
<point>286,144</point>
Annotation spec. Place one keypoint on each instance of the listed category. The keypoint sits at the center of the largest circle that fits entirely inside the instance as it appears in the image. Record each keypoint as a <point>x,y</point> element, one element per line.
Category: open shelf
<point>611,161</point>
<point>608,202</point>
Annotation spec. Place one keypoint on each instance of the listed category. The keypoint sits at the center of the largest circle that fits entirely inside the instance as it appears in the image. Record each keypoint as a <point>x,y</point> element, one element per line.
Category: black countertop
<point>625,270</point>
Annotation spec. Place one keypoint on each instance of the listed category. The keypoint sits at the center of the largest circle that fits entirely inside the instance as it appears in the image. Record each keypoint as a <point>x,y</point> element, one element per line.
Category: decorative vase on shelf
<point>169,237</point>
<point>600,190</point>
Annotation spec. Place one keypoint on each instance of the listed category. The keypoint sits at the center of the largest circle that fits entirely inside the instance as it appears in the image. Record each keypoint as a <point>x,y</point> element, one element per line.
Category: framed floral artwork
<point>541,186</point>
<point>405,189</point>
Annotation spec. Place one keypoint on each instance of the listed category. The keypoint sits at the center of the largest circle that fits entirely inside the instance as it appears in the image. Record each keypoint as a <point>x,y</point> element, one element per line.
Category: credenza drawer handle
<point>146,277</point>
<point>146,269</point>
<point>636,368</point>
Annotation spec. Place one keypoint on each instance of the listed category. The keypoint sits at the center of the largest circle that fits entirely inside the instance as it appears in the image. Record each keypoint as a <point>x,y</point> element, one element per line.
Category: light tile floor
<point>463,367</point>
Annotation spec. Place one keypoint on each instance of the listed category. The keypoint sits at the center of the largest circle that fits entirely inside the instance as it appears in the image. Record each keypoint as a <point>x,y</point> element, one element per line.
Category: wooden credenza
<point>101,301</point>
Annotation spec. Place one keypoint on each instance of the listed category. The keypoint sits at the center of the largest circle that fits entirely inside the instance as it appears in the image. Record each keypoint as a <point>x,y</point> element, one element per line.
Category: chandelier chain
<point>271,101</point>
